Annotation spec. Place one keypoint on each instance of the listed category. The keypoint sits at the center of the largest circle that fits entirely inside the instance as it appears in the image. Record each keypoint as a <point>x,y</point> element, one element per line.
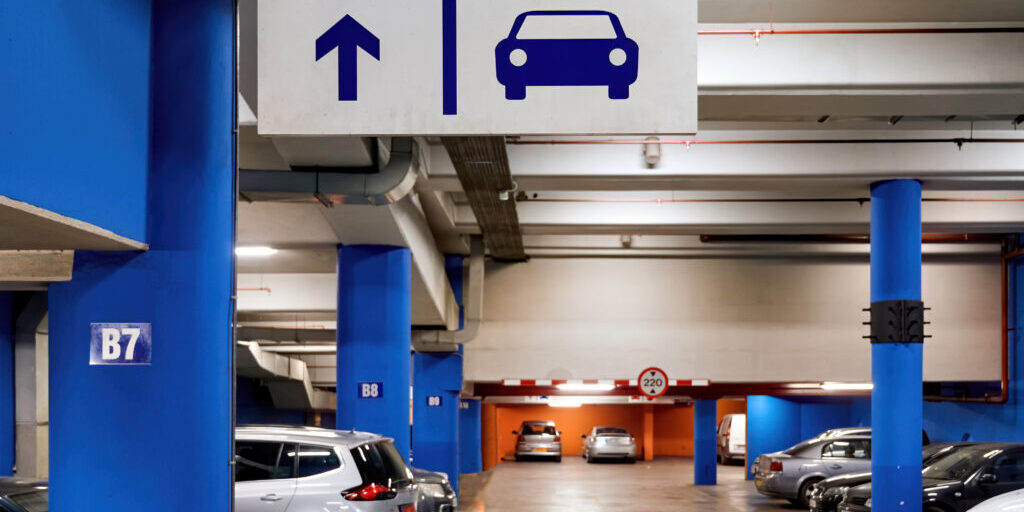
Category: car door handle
<point>271,498</point>
<point>837,466</point>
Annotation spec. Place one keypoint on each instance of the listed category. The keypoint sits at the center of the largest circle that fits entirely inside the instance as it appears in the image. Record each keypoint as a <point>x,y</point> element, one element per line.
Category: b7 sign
<point>120,344</point>
<point>477,67</point>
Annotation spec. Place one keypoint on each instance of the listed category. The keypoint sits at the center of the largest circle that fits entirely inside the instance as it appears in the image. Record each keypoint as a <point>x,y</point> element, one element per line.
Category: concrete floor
<point>659,486</point>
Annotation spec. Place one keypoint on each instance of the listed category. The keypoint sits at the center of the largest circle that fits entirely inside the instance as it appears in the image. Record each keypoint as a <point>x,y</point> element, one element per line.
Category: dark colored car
<point>826,494</point>
<point>20,495</point>
<point>544,48</point>
<point>435,492</point>
<point>960,481</point>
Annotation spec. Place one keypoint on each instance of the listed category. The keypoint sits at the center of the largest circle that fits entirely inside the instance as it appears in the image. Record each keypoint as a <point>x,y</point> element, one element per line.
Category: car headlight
<point>434,490</point>
<point>517,57</point>
<point>617,57</point>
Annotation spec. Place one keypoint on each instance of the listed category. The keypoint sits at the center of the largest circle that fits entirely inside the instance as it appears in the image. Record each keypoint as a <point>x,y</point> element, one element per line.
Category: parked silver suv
<point>306,469</point>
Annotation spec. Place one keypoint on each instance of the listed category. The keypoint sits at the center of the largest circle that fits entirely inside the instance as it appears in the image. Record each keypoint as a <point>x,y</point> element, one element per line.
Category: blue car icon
<point>547,48</point>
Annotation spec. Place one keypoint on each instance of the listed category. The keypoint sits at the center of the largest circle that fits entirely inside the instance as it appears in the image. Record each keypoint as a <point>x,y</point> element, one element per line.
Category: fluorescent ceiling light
<point>255,251</point>
<point>562,402</point>
<point>585,387</point>
<point>847,386</point>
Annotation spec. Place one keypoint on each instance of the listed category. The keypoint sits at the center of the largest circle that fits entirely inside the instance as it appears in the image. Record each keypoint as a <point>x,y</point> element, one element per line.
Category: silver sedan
<point>609,443</point>
<point>792,473</point>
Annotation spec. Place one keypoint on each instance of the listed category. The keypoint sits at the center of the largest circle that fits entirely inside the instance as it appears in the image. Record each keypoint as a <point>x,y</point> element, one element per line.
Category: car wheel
<point>590,460</point>
<point>720,459</point>
<point>804,499</point>
<point>519,458</point>
<point>558,459</point>
<point>631,460</point>
<point>617,92</point>
<point>515,92</point>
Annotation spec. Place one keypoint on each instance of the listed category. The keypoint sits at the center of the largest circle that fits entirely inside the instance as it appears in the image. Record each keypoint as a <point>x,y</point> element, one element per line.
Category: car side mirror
<point>988,478</point>
<point>583,436</point>
<point>516,432</point>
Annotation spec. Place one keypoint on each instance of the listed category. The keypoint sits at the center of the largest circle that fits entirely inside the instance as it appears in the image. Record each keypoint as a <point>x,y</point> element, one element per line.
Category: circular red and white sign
<point>653,382</point>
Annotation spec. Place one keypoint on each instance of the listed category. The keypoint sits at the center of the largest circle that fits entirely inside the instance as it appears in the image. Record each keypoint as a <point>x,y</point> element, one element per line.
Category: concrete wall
<point>727,320</point>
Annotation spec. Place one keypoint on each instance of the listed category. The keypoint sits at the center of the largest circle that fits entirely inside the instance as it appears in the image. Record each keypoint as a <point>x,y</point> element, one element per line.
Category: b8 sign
<point>120,344</point>
<point>370,390</point>
<point>434,401</point>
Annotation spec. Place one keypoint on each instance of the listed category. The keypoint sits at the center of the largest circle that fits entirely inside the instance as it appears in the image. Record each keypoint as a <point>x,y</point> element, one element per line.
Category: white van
<point>732,438</point>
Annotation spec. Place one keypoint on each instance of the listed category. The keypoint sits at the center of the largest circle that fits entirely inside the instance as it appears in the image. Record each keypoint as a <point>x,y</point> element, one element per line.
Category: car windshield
<point>567,26</point>
<point>611,431</point>
<point>32,501</point>
<point>536,430</point>
<point>960,463</point>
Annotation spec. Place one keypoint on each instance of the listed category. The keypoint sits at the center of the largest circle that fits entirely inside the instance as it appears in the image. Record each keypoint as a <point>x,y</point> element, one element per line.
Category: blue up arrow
<point>347,35</point>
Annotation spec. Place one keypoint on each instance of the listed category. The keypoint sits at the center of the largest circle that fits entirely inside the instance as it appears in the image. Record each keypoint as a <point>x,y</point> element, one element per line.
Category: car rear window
<point>32,501</point>
<point>611,430</point>
<point>536,430</point>
<point>570,26</point>
<point>380,463</point>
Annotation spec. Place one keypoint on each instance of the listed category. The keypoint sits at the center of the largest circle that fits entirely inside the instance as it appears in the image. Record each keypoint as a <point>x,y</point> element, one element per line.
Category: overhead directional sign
<point>477,67</point>
<point>653,382</point>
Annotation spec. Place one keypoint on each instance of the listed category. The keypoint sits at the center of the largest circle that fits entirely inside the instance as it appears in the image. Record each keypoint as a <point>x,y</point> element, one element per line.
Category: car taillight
<point>372,492</point>
<point>558,439</point>
<point>776,466</point>
<point>407,508</point>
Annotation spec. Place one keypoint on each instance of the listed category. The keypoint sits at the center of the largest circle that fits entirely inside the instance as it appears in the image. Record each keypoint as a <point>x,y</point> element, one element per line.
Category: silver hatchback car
<point>538,439</point>
<point>609,443</point>
<point>306,469</point>
<point>792,473</point>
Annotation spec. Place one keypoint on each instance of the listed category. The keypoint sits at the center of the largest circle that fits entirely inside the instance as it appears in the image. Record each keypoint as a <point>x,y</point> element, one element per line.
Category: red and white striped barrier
<point>613,382</point>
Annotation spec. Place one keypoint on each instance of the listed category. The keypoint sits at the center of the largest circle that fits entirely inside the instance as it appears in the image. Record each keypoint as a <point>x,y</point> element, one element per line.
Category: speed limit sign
<point>653,382</point>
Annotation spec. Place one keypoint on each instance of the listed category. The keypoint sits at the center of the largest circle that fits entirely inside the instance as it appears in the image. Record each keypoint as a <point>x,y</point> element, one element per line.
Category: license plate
<point>758,483</point>
<point>540,449</point>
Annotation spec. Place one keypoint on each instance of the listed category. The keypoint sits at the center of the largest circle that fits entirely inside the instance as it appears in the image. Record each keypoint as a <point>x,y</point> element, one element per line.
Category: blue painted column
<point>160,432</point>
<point>705,427</point>
<point>896,367</point>
<point>375,340</point>
<point>6,384</point>
<point>437,382</point>
<point>471,457</point>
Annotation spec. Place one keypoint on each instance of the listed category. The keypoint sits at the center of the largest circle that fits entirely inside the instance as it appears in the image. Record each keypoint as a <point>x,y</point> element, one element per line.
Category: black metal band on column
<point>897,321</point>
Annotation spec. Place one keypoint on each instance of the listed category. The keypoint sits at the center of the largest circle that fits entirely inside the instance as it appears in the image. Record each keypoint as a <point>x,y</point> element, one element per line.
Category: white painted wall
<point>726,319</point>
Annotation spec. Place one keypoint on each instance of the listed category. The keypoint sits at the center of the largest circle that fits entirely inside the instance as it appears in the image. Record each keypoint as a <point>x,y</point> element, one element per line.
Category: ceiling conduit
<point>473,300</point>
<point>287,378</point>
<point>337,185</point>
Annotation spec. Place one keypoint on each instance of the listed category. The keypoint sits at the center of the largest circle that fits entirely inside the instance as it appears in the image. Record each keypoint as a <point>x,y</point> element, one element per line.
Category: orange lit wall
<point>672,432</point>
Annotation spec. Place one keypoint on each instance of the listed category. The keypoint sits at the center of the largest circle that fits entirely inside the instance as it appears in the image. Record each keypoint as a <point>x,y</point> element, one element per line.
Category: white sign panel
<point>477,67</point>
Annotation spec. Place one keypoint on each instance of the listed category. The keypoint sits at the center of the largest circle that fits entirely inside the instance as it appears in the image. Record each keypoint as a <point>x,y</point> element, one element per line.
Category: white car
<point>306,469</point>
<point>1009,502</point>
<point>732,438</point>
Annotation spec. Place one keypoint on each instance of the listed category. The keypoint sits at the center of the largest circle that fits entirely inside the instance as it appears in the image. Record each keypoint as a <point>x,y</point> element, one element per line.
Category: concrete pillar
<point>470,442</point>
<point>648,446</point>
<point>896,367</point>
<point>160,431</point>
<point>375,340</point>
<point>6,384</point>
<point>437,381</point>
<point>705,465</point>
